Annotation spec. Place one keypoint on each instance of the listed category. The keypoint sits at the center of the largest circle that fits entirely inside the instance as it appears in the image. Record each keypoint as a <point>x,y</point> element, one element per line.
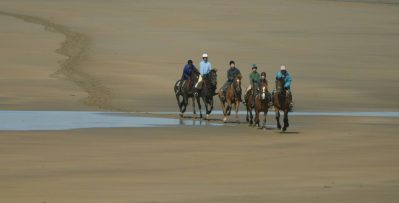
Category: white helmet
<point>283,67</point>
<point>204,55</point>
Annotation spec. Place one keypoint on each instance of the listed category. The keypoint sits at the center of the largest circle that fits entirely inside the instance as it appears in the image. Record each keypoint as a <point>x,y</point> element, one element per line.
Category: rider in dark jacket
<point>188,70</point>
<point>232,73</point>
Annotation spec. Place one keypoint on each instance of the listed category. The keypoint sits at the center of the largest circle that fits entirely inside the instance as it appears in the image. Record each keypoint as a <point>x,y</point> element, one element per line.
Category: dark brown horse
<point>207,91</point>
<point>262,101</point>
<point>186,91</point>
<point>281,102</point>
<point>233,96</point>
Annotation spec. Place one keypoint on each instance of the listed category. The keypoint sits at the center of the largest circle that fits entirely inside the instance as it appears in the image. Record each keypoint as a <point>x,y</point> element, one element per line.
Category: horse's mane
<point>239,76</point>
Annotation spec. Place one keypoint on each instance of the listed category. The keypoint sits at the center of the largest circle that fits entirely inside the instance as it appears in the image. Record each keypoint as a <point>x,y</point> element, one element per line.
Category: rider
<point>188,70</point>
<point>283,73</point>
<point>254,79</point>
<point>205,68</point>
<point>232,73</point>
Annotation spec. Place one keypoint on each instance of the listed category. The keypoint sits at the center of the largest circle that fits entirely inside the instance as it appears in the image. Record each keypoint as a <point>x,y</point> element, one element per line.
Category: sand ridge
<point>76,49</point>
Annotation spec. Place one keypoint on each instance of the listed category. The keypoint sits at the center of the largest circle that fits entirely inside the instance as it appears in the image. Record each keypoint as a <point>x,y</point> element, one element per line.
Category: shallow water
<point>352,114</point>
<point>66,120</point>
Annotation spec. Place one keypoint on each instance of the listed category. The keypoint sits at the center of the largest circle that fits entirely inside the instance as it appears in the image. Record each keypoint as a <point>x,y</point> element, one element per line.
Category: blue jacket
<point>287,79</point>
<point>187,71</point>
<point>205,67</point>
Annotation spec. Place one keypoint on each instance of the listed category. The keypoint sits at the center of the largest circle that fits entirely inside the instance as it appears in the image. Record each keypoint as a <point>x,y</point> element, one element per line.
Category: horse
<point>187,90</point>
<point>250,103</point>
<point>233,95</point>
<point>262,101</point>
<point>207,91</point>
<point>281,101</point>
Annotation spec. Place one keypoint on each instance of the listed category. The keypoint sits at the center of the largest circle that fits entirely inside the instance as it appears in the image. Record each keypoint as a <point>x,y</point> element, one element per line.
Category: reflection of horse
<point>186,91</point>
<point>250,103</point>
<point>233,95</point>
<point>262,103</point>
<point>281,103</point>
<point>207,91</point>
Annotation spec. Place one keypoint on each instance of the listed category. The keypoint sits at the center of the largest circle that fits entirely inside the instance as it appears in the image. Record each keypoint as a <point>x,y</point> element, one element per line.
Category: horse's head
<point>280,85</point>
<point>213,77</point>
<point>263,90</point>
<point>237,83</point>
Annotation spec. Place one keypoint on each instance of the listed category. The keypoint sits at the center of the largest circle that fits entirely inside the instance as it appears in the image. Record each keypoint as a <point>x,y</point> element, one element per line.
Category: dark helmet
<point>232,62</point>
<point>254,66</point>
<point>263,74</point>
<point>190,62</point>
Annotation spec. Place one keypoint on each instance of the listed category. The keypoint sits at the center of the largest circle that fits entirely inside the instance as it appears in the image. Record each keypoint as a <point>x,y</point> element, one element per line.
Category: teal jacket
<point>287,79</point>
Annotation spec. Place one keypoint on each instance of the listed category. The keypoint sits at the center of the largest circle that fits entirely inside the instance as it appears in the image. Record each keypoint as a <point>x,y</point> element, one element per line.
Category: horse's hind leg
<point>278,118</point>
<point>286,124</point>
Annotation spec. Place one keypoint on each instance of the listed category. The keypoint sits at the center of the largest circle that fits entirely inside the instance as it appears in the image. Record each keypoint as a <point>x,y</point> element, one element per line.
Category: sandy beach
<point>125,56</point>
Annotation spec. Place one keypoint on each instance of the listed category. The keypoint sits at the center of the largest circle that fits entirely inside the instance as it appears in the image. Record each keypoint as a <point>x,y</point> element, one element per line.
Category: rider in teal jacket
<point>287,77</point>
<point>283,73</point>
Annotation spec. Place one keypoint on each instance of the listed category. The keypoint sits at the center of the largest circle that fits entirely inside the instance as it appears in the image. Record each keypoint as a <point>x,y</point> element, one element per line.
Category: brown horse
<point>262,101</point>
<point>233,96</point>
<point>281,102</point>
<point>187,90</point>
<point>250,103</point>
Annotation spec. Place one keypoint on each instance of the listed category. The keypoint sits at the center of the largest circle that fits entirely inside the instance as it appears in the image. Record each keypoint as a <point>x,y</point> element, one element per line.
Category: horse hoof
<point>224,119</point>
<point>284,129</point>
<point>207,117</point>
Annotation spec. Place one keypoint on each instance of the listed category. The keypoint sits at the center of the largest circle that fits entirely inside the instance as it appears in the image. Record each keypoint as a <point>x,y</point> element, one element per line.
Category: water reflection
<point>66,120</point>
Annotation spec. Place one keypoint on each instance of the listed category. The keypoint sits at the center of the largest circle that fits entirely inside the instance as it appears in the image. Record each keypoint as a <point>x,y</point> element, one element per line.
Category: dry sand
<point>126,56</point>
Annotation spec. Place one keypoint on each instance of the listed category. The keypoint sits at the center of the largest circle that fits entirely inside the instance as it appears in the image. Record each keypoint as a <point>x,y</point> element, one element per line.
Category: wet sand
<point>319,160</point>
<point>126,55</point>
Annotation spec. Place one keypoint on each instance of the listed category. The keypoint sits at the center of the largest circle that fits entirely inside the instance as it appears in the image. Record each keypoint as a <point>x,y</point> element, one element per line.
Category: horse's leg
<point>257,112</point>
<point>178,101</point>
<point>278,118</point>
<point>224,109</point>
<point>199,105</point>
<point>286,124</point>
<point>206,106</point>
<point>252,110</point>
<point>185,103</point>
<point>229,107</point>
<point>265,116</point>
<point>247,118</point>
<point>194,113</point>
<point>237,105</point>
